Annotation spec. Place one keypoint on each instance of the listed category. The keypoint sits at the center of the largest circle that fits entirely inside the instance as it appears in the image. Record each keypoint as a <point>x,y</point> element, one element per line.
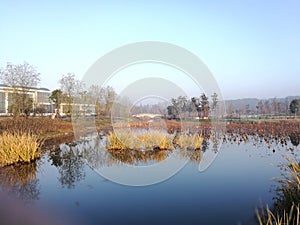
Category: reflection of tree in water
<point>216,142</point>
<point>70,166</point>
<point>96,154</point>
<point>295,139</point>
<point>20,180</point>
<point>205,144</point>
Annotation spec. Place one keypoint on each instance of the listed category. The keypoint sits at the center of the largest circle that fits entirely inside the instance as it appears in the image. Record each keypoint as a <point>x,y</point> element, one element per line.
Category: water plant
<point>193,141</point>
<point>267,217</point>
<point>286,207</point>
<point>118,141</point>
<point>18,148</point>
<point>122,140</point>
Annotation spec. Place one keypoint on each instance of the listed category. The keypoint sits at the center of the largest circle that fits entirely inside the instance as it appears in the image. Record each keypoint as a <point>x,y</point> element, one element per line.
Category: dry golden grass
<point>132,140</point>
<point>120,141</point>
<point>267,217</point>
<point>18,148</point>
<point>286,207</point>
<point>189,141</point>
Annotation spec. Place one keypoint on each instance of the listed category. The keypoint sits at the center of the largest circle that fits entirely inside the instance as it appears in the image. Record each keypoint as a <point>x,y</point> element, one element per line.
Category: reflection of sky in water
<point>226,193</point>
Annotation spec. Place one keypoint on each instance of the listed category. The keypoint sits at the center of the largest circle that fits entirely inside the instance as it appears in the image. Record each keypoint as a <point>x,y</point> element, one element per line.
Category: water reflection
<point>70,165</point>
<point>295,139</point>
<point>21,181</point>
<point>95,153</point>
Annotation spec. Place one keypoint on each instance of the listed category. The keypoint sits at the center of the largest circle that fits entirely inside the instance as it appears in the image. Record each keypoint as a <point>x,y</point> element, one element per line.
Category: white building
<point>39,96</point>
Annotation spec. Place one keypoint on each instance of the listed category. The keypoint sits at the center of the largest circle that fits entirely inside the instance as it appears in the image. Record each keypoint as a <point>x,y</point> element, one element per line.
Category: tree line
<point>20,77</point>
<point>183,108</point>
<point>265,108</point>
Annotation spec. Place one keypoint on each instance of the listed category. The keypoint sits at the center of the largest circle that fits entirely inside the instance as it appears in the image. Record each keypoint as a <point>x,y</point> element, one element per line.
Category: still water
<point>64,187</point>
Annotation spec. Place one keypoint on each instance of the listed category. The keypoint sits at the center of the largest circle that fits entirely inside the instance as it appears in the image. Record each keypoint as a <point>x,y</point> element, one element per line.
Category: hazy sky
<point>251,47</point>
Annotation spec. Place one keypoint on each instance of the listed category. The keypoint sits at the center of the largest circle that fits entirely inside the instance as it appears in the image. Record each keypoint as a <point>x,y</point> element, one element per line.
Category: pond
<point>64,187</point>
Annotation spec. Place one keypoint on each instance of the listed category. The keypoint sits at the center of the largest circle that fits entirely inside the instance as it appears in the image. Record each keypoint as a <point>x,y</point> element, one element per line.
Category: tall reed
<point>286,207</point>
<point>18,147</point>
<point>133,140</point>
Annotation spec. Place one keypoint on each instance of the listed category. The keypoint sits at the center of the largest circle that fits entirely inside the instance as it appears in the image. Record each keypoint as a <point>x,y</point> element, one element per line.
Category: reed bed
<point>193,141</point>
<point>286,207</point>
<point>267,217</point>
<point>18,147</point>
<point>133,140</point>
<point>120,141</point>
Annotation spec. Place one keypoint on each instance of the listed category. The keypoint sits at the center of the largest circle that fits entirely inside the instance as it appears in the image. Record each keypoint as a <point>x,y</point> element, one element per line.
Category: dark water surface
<point>64,188</point>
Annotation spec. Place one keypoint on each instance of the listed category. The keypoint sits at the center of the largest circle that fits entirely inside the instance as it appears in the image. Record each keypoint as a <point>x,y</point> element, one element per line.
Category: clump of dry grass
<point>160,140</point>
<point>193,141</point>
<point>18,148</point>
<point>286,207</point>
<point>267,217</point>
<point>132,140</point>
<point>120,141</point>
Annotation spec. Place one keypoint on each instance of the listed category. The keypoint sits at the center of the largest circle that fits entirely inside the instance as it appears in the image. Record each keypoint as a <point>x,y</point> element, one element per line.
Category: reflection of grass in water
<point>133,140</point>
<point>194,155</point>
<point>20,181</point>
<point>160,155</point>
<point>18,174</point>
<point>18,148</point>
<point>286,207</point>
<point>134,157</point>
<point>189,141</point>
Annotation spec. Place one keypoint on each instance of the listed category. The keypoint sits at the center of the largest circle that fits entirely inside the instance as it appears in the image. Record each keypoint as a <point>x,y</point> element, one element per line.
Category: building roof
<point>41,88</point>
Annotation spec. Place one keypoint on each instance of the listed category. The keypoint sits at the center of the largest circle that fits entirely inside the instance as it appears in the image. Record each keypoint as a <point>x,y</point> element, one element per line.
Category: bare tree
<point>180,103</point>
<point>96,93</point>
<point>260,106</point>
<point>20,78</point>
<point>71,88</point>
<point>204,105</point>
<point>109,96</point>
<point>230,111</point>
<point>214,103</point>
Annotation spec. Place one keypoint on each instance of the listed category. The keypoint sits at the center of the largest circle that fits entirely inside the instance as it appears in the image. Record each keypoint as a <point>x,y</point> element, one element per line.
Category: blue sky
<point>251,47</point>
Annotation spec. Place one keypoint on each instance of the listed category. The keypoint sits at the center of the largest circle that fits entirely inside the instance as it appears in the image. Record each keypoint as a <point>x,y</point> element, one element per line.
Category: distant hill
<point>240,104</point>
